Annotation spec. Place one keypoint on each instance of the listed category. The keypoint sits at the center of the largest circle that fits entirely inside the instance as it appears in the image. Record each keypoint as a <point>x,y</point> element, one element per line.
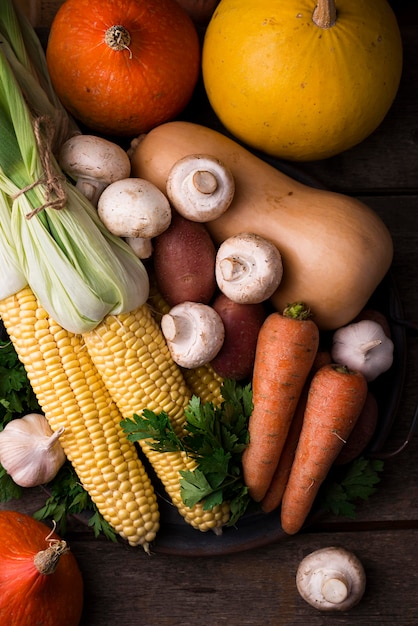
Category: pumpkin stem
<point>46,561</point>
<point>118,38</point>
<point>325,14</point>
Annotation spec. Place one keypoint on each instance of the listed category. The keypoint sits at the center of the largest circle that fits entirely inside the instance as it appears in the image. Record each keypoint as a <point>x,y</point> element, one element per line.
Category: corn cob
<point>72,394</point>
<point>202,381</point>
<point>131,355</point>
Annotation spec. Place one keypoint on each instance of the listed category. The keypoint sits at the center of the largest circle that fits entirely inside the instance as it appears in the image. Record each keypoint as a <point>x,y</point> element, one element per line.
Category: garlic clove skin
<point>363,346</point>
<point>30,451</point>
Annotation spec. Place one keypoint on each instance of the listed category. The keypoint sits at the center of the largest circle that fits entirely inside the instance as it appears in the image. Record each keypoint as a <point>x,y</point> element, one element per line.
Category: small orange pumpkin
<point>40,581</point>
<point>122,67</point>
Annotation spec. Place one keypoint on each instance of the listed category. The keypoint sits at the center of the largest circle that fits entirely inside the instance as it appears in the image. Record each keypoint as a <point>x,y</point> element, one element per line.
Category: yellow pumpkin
<point>302,79</point>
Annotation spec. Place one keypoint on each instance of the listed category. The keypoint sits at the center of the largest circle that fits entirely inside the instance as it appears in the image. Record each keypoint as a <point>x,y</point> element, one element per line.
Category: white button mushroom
<point>200,187</point>
<point>134,208</point>
<point>141,247</point>
<point>248,268</point>
<point>331,579</point>
<point>93,163</point>
<point>194,333</point>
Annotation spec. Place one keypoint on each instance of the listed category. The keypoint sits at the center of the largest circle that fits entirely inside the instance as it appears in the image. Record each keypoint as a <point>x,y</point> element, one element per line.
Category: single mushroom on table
<point>194,333</point>
<point>248,268</point>
<point>331,579</point>
<point>93,163</point>
<point>200,187</point>
<point>137,210</point>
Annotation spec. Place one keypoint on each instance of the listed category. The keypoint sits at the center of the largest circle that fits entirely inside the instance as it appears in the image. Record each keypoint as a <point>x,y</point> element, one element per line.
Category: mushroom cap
<point>194,333</point>
<point>134,207</point>
<point>248,268</point>
<point>200,187</point>
<point>331,579</point>
<point>91,157</point>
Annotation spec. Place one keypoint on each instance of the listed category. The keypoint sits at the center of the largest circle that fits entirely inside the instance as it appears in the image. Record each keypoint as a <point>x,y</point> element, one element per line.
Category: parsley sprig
<point>16,394</point>
<point>215,436</point>
<point>68,497</point>
<point>340,496</point>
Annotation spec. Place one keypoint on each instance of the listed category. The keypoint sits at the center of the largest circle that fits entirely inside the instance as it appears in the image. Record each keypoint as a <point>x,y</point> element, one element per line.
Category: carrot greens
<point>214,435</point>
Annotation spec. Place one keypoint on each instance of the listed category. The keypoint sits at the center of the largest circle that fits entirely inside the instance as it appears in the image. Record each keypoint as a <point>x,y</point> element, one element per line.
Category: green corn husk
<point>76,268</point>
<point>13,279</point>
<point>25,54</point>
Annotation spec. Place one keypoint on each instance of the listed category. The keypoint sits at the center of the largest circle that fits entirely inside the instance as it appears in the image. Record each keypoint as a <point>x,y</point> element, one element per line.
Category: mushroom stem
<point>233,269</point>
<point>200,187</point>
<point>92,190</point>
<point>204,181</point>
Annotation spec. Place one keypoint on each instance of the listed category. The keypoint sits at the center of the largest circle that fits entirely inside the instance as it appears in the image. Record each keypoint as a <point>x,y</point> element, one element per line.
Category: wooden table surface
<point>125,586</point>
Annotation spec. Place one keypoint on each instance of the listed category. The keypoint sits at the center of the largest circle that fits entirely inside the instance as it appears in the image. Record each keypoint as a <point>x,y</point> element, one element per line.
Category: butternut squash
<point>335,249</point>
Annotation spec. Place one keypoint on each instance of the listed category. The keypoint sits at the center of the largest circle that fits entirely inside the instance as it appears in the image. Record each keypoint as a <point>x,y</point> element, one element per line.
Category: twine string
<point>54,182</point>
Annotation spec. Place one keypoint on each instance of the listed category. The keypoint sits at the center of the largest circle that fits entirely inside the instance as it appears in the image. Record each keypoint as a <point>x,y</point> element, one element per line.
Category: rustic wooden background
<point>125,586</point>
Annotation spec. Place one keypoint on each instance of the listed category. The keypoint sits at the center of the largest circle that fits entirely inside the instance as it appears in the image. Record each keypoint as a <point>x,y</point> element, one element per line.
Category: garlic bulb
<point>30,451</point>
<point>363,346</point>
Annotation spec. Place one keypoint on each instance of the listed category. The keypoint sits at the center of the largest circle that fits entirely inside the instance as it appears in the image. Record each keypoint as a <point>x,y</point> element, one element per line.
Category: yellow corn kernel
<point>205,383</point>
<point>151,381</point>
<point>72,394</point>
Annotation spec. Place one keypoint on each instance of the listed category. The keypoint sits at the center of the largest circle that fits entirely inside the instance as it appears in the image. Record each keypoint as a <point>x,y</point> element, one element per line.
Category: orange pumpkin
<point>122,67</point>
<point>40,581</point>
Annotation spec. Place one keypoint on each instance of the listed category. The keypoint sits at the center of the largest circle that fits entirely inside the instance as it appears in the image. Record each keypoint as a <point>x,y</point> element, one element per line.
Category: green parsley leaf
<point>68,497</point>
<point>194,487</point>
<point>215,436</point>
<point>8,488</point>
<point>16,394</point>
<point>359,483</point>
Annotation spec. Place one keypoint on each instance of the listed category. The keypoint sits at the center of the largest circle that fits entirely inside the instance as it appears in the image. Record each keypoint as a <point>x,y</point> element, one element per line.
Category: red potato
<point>242,323</point>
<point>362,432</point>
<point>184,262</point>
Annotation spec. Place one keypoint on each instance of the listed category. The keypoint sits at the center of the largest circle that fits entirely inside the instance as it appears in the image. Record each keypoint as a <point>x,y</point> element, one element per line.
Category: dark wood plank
<point>129,587</point>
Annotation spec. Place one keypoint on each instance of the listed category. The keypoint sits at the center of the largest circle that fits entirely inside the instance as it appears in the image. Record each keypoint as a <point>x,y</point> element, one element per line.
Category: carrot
<point>335,400</point>
<point>277,486</point>
<point>286,347</point>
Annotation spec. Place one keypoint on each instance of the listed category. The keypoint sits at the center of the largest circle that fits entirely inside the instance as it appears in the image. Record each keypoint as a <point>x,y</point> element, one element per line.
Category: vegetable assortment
<point>175,342</point>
